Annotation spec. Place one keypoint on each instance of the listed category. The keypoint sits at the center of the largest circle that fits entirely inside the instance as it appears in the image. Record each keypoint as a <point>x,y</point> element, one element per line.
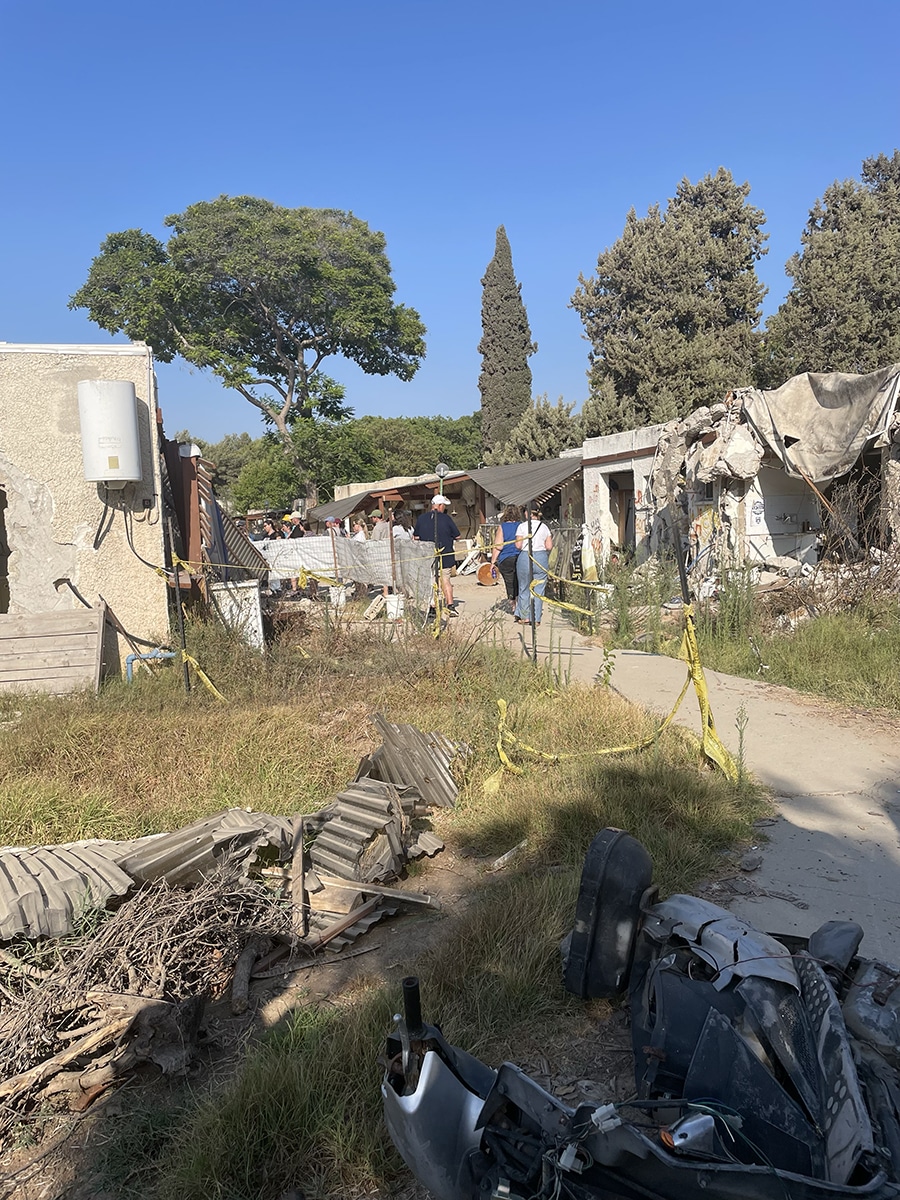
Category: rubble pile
<point>87,995</point>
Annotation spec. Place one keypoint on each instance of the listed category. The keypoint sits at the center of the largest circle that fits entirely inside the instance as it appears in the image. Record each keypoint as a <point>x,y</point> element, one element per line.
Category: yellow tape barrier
<point>202,676</point>
<point>710,744</point>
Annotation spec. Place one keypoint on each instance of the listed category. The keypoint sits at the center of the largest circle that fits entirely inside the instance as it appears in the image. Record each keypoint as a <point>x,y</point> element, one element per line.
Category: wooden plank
<point>48,624</point>
<point>101,628</point>
<point>55,671</point>
<point>64,654</point>
<point>46,645</point>
<point>299,904</point>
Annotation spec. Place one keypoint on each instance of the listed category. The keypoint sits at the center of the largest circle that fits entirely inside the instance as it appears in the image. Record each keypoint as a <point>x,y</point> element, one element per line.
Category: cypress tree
<point>505,346</point>
<point>673,310</point>
<point>543,431</point>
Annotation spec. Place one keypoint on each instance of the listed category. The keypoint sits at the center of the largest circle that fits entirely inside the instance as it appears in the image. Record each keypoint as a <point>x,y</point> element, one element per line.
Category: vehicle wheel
<point>598,953</point>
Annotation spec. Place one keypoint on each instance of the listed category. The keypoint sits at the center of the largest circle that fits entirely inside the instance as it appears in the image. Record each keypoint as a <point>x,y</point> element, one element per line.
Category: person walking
<point>535,541</point>
<point>439,527</point>
<point>504,555</point>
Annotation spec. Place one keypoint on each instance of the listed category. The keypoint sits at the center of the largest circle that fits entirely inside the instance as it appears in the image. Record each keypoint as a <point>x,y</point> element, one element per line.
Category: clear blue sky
<point>435,122</point>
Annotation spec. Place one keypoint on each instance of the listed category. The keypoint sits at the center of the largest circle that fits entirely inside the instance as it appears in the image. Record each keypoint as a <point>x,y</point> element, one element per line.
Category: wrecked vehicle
<point>764,1066</point>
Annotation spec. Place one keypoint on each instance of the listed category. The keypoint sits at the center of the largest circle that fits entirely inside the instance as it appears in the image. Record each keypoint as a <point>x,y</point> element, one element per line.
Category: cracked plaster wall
<point>53,513</point>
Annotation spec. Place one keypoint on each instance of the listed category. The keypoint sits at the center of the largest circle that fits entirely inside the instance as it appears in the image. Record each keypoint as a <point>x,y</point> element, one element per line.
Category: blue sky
<point>435,122</point>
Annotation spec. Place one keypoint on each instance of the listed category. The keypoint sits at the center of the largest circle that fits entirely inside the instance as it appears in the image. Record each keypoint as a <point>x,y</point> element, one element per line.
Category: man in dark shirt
<point>439,527</point>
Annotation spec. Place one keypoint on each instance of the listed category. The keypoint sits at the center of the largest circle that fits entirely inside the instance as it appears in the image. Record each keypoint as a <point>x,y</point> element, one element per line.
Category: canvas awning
<point>340,508</point>
<point>524,482</point>
<point>818,424</point>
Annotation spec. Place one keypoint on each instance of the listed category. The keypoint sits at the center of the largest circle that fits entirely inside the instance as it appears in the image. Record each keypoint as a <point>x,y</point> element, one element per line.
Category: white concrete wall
<point>776,509</point>
<point>622,453</point>
<point>53,514</point>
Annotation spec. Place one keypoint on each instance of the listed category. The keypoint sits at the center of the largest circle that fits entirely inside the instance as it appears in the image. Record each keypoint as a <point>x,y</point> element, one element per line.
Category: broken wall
<point>618,510</point>
<point>781,518</point>
<point>53,521</point>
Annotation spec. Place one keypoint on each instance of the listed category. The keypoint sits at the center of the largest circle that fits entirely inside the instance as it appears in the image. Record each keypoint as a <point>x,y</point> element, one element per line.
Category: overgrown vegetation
<point>304,1110</point>
<point>834,634</point>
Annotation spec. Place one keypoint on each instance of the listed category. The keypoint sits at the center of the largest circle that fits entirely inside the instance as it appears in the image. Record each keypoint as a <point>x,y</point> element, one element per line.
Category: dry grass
<point>304,1111</point>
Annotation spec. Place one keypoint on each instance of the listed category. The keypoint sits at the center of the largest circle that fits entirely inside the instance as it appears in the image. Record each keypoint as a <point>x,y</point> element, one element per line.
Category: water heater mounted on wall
<point>110,438</point>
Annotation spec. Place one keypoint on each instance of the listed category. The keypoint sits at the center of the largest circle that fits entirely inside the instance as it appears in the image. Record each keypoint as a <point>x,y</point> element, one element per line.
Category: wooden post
<point>299,905</point>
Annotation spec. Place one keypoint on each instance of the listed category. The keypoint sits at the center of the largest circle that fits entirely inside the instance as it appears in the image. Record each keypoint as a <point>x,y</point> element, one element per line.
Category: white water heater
<point>110,438</point>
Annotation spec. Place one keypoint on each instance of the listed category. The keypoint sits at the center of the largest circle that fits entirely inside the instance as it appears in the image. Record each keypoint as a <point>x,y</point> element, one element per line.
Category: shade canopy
<point>340,508</point>
<point>526,482</point>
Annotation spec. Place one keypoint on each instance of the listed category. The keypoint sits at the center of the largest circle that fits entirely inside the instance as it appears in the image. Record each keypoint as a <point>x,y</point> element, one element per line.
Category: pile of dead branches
<point>78,1015</point>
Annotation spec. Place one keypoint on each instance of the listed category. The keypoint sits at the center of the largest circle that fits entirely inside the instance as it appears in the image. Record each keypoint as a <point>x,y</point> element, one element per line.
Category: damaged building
<point>809,468</point>
<point>80,511</point>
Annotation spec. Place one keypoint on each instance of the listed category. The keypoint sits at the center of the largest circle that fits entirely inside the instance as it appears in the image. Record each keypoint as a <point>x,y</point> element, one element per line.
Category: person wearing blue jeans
<point>534,538</point>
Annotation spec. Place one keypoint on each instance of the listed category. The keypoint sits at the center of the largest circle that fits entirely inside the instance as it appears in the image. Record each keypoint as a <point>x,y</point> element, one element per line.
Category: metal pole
<point>531,583</point>
<point>393,556</point>
<point>181,637</point>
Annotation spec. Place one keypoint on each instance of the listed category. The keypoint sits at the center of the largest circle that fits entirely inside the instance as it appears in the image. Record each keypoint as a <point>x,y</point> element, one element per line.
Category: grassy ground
<point>848,654</point>
<point>304,1110</point>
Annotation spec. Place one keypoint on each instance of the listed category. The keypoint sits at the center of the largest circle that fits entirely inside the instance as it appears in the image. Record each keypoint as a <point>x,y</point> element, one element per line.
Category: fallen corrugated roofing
<point>43,891</point>
<point>187,855</point>
<point>363,835</point>
<point>411,758</point>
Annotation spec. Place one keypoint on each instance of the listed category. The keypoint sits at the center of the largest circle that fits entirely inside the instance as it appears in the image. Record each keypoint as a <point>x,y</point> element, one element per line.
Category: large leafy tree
<point>543,431</point>
<point>843,310</point>
<point>505,347</point>
<point>673,311</point>
<point>415,445</point>
<point>261,295</point>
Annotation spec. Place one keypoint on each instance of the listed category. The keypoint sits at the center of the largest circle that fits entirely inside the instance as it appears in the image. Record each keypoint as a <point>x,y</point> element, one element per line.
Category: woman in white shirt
<point>536,540</point>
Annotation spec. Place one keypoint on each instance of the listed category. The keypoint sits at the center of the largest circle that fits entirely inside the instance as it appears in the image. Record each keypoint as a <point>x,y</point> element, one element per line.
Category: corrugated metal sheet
<point>340,508</point>
<point>43,891</point>
<point>523,483</point>
<point>365,837</point>
<point>410,758</point>
<point>186,855</point>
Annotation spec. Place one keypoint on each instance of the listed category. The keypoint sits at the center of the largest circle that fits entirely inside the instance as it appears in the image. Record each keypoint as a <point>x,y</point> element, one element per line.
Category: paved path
<point>834,850</point>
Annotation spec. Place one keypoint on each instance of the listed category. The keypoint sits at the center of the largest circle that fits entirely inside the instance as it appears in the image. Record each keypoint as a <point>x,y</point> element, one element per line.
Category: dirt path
<point>834,850</point>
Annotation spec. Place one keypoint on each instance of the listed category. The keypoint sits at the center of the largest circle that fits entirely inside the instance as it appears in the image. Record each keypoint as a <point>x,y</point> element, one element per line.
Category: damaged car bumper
<point>764,1067</point>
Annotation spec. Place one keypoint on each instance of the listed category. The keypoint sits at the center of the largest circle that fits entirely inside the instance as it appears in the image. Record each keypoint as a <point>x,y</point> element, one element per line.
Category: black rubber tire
<point>599,952</point>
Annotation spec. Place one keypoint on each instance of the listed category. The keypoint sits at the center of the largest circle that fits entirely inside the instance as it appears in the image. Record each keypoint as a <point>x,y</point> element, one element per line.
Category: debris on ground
<point>87,996</point>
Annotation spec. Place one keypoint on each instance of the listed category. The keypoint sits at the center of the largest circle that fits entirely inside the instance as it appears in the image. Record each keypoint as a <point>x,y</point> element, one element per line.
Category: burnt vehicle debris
<point>765,1067</point>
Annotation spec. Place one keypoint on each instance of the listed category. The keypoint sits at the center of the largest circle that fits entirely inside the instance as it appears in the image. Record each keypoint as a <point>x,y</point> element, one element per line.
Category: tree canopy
<point>505,347</point>
<point>673,310</point>
<point>415,445</point>
<point>261,295</point>
<point>843,310</point>
<point>543,431</point>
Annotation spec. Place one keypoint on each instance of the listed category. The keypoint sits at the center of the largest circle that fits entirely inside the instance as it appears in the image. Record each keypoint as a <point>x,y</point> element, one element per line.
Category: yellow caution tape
<point>202,676</point>
<point>709,743</point>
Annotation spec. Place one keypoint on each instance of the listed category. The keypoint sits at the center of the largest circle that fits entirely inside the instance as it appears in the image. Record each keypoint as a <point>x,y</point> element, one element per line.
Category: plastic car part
<point>598,953</point>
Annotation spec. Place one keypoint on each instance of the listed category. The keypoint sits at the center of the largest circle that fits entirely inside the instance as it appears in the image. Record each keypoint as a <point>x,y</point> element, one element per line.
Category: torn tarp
<point>819,425</point>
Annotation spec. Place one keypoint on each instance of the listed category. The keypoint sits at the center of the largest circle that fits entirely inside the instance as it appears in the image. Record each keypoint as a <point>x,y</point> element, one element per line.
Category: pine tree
<point>843,310</point>
<point>673,311</point>
<point>505,346</point>
<point>543,431</point>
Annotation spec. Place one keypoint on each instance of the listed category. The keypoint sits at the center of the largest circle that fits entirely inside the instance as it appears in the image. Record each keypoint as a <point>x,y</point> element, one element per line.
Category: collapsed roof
<point>818,425</point>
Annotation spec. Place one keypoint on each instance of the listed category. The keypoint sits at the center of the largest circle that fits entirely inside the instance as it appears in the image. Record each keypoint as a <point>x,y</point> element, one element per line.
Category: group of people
<point>291,525</point>
<point>521,553</point>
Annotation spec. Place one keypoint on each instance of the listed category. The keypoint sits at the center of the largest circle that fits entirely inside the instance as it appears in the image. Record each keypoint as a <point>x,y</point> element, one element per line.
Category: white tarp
<point>362,562</point>
<point>819,425</point>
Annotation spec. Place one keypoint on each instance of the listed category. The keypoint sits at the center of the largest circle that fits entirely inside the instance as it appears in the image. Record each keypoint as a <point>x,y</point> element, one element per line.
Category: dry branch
<point>132,986</point>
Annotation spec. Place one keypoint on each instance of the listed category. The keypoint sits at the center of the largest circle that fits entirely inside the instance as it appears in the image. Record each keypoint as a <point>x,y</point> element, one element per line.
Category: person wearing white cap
<point>439,527</point>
